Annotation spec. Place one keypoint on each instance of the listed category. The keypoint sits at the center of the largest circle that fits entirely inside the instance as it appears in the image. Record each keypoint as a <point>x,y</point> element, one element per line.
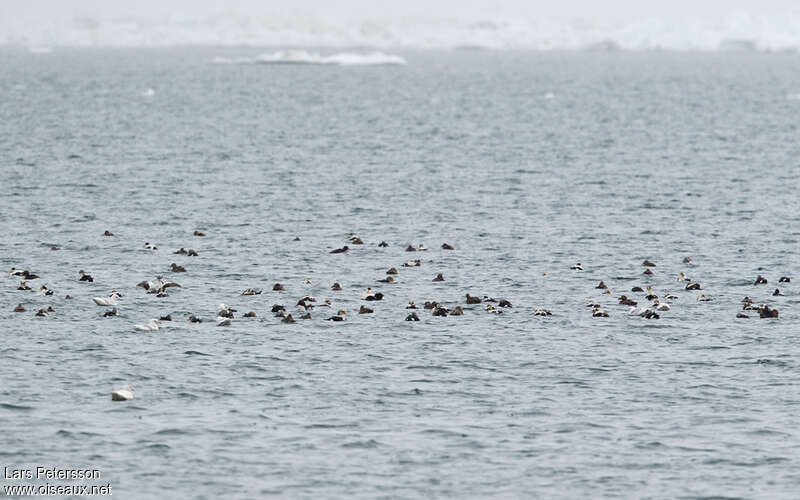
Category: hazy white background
<point>678,24</point>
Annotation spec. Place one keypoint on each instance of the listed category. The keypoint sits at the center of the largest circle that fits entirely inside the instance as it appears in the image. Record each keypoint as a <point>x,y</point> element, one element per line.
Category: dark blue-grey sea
<point>526,162</point>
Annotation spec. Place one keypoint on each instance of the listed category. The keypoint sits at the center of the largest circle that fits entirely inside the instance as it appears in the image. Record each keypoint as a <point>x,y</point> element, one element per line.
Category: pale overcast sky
<point>603,11</point>
<point>539,24</point>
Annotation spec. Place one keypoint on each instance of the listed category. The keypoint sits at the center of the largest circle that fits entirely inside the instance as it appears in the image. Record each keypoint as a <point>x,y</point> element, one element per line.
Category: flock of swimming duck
<point>649,308</point>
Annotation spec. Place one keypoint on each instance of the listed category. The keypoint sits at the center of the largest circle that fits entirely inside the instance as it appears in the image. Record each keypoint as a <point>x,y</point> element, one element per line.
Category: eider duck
<point>504,303</point>
<point>647,263</point>
<point>82,276</point>
<point>693,286</point>
<point>703,298</point>
<point>277,308</point>
<point>30,276</point>
<point>340,316</point>
<point>168,317</point>
<point>542,312</point>
<point>650,295</point>
<point>392,271</point>
<point>199,233</point>
<point>687,260</point>
<point>412,317</point>
<point>491,309</point>
<point>413,263</point>
<point>112,312</point>
<point>446,246</point>
<point>625,301</point>
<point>288,319</point>
<point>776,293</point>
<point>147,327</point>
<point>19,309</point>
<point>366,293</point>
<point>223,321</point>
<point>365,310</point>
<point>124,394</point>
<point>17,272</point>
<point>486,298</point>
<point>194,319</point>
<point>251,314</point>
<point>683,277</point>
<point>306,316</point>
<point>383,244</point>
<point>23,285</point>
<point>658,306</point>
<point>336,287</point>
<point>355,240</point>
<point>182,251</point>
<point>760,280</point>
<point>764,311</point>
<point>410,248</point>
<point>296,238</point>
<point>602,286</point>
<point>377,296</point>
<point>440,311</point>
<point>112,300</point>
<point>647,271</point>
<point>784,279</point>
<point>411,305</point>
<point>439,277</point>
<point>669,296</point>
<point>387,279</point>
<point>649,314</point>
<point>741,315</point>
<point>277,287</point>
<point>224,311</point>
<point>421,247</point>
<point>191,253</point>
<point>177,269</point>
<point>341,250</point>
<point>637,289</point>
<point>430,305</point>
<point>457,311</point>
<point>577,267</point>
<point>473,300</point>
<point>149,246</point>
<point>108,233</point>
<point>251,291</point>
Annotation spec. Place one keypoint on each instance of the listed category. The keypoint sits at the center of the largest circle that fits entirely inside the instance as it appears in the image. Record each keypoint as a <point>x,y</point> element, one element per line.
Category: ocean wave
<point>736,31</point>
<point>306,57</point>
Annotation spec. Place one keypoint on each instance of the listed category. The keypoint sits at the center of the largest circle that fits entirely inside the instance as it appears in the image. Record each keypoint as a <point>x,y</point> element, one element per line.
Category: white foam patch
<point>306,57</point>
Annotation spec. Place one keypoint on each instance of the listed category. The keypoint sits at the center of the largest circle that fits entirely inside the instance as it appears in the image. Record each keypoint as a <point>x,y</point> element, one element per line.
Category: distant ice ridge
<point>734,31</point>
<point>305,57</point>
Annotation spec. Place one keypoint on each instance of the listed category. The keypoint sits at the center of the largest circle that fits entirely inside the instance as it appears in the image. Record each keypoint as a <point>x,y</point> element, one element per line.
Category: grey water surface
<point>525,162</point>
